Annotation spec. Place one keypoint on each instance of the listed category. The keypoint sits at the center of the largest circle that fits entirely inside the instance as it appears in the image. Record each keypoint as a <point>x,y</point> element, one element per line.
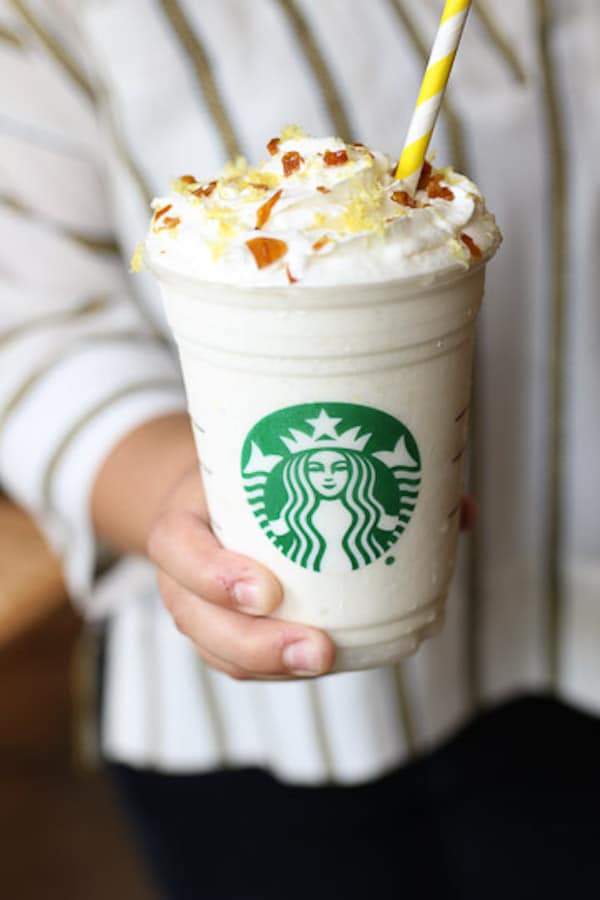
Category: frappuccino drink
<point>325,323</point>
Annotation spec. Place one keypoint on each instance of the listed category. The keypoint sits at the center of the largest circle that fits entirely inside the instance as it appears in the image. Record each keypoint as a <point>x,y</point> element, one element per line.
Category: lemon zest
<point>218,247</point>
<point>292,133</point>
<point>178,186</point>
<point>137,259</point>
<point>234,168</point>
<point>259,176</point>
<point>459,251</point>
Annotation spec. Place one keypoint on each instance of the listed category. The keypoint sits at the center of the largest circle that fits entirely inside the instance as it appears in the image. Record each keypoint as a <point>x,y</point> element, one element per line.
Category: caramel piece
<point>322,242</point>
<point>206,189</point>
<point>188,179</point>
<point>273,146</point>
<point>291,162</point>
<point>425,176</point>
<point>473,248</point>
<point>335,157</point>
<point>404,199</point>
<point>290,277</point>
<point>426,173</point>
<point>264,211</point>
<point>161,212</point>
<point>266,250</point>
<point>259,186</point>
<point>436,190</point>
<point>323,189</point>
<point>168,223</point>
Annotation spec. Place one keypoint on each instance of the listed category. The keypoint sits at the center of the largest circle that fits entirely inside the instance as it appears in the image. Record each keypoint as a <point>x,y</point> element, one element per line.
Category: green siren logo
<point>333,485</point>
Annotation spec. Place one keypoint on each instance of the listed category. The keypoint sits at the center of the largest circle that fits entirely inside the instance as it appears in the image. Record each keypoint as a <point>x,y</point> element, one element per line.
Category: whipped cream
<point>317,211</point>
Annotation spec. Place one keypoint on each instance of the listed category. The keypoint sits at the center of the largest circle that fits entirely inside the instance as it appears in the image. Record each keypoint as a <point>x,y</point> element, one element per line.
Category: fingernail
<point>250,598</point>
<point>303,658</point>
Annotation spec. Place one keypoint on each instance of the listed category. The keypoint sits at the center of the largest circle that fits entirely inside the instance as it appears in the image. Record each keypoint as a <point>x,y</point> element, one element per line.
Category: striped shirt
<point>101,103</point>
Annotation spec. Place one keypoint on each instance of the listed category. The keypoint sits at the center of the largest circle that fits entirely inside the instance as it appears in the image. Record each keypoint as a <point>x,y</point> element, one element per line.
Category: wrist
<point>138,477</point>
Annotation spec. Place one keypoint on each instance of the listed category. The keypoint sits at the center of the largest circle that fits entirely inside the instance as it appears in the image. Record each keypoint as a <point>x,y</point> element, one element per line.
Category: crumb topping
<point>266,250</point>
<point>273,146</point>
<point>160,212</point>
<point>474,249</point>
<point>322,242</point>
<point>404,199</point>
<point>264,211</point>
<point>291,162</point>
<point>335,157</point>
<point>315,197</point>
<point>205,190</point>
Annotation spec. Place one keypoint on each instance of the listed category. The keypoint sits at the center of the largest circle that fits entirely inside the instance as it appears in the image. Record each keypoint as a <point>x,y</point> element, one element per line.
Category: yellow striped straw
<point>432,92</point>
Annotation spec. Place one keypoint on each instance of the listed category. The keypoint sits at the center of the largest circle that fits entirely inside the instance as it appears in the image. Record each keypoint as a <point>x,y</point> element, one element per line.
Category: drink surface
<point>317,212</point>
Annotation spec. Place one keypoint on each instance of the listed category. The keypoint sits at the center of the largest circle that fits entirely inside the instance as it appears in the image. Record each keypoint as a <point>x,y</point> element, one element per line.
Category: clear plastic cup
<point>331,425</point>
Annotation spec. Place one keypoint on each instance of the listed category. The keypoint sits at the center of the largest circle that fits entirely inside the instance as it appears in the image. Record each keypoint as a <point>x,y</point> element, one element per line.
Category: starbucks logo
<point>333,485</point>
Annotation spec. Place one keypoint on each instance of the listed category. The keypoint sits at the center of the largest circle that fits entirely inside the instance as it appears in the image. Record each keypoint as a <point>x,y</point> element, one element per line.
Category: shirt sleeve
<point>82,361</point>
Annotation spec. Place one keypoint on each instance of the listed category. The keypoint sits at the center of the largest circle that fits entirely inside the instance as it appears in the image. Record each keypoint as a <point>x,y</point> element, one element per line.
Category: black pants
<point>508,809</point>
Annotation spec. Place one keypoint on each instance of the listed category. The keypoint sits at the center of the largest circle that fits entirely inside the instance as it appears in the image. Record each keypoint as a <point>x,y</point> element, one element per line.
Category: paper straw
<point>432,92</point>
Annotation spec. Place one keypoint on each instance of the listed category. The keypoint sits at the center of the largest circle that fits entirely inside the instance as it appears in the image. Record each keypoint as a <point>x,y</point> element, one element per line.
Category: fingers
<point>183,546</point>
<point>238,673</point>
<point>245,646</point>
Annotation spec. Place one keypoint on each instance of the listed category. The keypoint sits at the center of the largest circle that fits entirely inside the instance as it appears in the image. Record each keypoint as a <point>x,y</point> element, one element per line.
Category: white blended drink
<point>325,325</point>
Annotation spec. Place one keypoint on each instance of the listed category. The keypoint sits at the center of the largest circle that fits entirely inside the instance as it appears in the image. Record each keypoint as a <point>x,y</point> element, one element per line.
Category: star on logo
<point>324,426</point>
<point>325,434</point>
<point>259,461</point>
<point>399,457</point>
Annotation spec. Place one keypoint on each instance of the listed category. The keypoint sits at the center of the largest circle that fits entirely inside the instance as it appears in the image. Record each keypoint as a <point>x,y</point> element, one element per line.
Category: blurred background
<point>61,834</point>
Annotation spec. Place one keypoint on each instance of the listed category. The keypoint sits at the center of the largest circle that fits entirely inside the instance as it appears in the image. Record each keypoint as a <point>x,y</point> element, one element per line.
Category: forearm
<point>142,470</point>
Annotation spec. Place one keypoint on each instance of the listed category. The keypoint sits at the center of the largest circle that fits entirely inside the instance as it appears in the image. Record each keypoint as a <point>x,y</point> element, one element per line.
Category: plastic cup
<point>331,426</point>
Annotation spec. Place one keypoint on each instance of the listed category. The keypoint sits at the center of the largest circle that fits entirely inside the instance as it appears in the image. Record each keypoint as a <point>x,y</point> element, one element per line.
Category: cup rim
<point>411,285</point>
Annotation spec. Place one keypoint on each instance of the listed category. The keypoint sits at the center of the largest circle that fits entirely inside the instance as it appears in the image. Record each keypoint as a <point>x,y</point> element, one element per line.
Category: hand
<point>148,496</point>
<point>219,599</point>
